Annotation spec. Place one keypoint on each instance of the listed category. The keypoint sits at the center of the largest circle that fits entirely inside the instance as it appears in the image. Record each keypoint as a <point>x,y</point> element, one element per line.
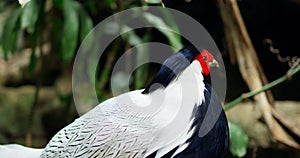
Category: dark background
<point>265,19</point>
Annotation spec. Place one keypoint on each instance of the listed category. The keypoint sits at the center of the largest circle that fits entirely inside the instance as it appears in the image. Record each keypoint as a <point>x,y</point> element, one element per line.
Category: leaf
<point>131,37</point>
<point>30,15</point>
<point>32,63</point>
<point>153,1</point>
<point>70,31</point>
<point>109,2</point>
<point>86,23</point>
<point>238,140</point>
<point>23,2</point>
<point>3,6</point>
<point>111,28</point>
<point>169,19</point>
<point>57,31</point>
<point>173,38</point>
<point>33,37</point>
<point>58,4</point>
<point>142,55</point>
<point>10,33</point>
<point>140,74</point>
<point>91,6</point>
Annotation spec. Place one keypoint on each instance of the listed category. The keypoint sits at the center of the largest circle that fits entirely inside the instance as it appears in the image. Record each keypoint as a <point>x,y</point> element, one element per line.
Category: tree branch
<point>264,88</point>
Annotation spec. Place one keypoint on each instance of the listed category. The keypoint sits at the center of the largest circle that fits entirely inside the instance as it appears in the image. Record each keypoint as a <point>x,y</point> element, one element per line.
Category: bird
<point>167,119</point>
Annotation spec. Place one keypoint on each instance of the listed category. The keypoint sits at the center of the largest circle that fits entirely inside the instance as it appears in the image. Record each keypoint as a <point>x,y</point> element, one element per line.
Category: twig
<point>275,51</point>
<point>39,39</point>
<point>293,62</point>
<point>245,55</point>
<point>162,4</point>
<point>31,114</point>
<point>254,152</point>
<point>264,88</point>
<point>249,46</point>
<point>250,68</point>
<point>35,99</point>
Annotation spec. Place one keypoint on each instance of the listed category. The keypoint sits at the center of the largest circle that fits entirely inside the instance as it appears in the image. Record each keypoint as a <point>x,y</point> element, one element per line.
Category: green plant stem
<point>31,114</point>
<point>264,88</point>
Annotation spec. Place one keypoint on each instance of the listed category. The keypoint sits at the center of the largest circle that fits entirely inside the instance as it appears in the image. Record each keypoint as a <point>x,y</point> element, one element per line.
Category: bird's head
<point>177,63</point>
<point>206,61</point>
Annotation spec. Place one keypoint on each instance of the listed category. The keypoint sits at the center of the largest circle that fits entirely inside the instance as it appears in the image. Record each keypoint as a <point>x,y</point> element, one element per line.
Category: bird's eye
<point>204,58</point>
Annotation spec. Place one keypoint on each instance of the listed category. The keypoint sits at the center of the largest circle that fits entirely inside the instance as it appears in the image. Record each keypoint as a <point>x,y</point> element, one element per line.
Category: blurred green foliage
<point>64,24</point>
<point>238,140</point>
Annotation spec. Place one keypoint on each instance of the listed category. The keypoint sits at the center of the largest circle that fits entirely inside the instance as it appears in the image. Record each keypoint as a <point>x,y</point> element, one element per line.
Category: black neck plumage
<point>172,68</point>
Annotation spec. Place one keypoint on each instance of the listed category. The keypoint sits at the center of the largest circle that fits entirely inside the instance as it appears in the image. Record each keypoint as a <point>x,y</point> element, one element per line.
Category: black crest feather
<point>171,68</point>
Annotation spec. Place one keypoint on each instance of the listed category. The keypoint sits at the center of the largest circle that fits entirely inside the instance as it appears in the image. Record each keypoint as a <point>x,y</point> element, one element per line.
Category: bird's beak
<point>213,63</point>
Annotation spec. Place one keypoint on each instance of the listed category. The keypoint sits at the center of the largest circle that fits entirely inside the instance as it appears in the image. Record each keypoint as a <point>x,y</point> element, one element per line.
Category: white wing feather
<point>106,131</point>
<point>19,151</point>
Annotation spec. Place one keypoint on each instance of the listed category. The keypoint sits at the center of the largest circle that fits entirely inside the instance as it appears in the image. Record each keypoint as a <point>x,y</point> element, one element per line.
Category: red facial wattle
<point>204,64</point>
